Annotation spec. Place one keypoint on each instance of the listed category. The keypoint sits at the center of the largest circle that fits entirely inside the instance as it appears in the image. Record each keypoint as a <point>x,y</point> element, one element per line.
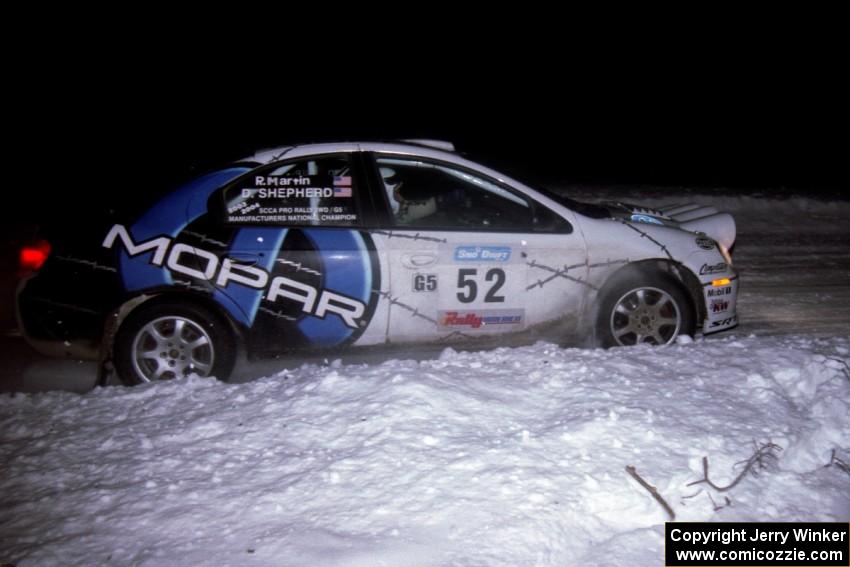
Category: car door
<point>297,268</point>
<point>461,251</point>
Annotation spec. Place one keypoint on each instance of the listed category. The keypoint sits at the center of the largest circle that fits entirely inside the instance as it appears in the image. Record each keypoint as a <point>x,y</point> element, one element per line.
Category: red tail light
<point>33,255</point>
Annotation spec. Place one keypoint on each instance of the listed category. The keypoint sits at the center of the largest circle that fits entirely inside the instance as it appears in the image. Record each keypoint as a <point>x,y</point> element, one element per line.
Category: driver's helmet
<point>392,183</point>
<point>405,210</point>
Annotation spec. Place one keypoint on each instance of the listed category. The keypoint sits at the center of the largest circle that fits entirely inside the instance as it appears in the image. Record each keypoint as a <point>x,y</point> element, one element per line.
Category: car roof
<point>434,149</point>
<point>409,147</point>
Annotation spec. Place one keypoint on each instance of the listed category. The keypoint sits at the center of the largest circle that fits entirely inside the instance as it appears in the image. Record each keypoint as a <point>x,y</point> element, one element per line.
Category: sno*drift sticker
<point>482,254</point>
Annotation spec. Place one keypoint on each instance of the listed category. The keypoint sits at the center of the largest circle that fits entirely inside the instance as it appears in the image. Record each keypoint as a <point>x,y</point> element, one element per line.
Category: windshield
<point>586,209</point>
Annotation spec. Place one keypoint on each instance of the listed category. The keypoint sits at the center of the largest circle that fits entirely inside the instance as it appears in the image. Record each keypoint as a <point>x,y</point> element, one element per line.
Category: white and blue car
<point>325,246</point>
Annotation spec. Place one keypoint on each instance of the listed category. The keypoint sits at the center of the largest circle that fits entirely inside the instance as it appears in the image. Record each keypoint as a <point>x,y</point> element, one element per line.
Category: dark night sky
<point>756,139</point>
<point>768,118</point>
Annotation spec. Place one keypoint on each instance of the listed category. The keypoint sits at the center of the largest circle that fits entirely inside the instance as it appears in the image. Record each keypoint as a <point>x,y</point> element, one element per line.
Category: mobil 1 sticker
<point>719,291</point>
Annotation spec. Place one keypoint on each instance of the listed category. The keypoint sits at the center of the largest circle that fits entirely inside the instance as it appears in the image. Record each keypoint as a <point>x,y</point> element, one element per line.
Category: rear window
<point>316,191</point>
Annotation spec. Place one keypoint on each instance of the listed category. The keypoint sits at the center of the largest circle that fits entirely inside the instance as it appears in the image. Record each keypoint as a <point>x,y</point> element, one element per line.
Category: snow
<point>513,456</point>
<point>505,457</point>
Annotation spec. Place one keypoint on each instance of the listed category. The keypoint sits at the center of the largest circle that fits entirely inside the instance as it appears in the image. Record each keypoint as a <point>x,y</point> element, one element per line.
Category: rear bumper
<point>57,329</point>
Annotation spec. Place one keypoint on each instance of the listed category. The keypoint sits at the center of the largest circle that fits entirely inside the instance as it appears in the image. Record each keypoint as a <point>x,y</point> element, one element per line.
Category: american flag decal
<point>342,186</point>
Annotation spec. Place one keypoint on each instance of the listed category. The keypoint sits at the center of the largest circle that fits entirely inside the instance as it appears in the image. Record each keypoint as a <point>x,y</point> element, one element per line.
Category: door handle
<point>416,260</point>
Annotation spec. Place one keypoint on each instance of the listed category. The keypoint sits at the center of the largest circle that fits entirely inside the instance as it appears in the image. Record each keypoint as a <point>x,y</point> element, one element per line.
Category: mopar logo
<point>204,265</point>
<point>482,254</point>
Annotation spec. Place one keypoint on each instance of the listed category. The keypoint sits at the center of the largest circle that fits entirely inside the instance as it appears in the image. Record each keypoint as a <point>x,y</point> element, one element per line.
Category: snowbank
<point>505,457</point>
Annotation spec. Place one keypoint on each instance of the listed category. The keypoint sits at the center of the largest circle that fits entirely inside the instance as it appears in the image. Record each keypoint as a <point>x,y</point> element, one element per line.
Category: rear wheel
<point>645,309</point>
<point>169,340</point>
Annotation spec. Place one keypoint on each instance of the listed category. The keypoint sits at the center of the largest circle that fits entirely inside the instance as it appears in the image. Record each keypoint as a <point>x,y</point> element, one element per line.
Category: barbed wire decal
<point>205,238</point>
<point>562,272</point>
<point>455,334</point>
<point>645,235</point>
<point>191,285</point>
<point>90,263</point>
<point>280,155</point>
<point>557,273</point>
<point>394,301</point>
<point>278,314</point>
<point>607,263</point>
<point>417,236</point>
<point>298,266</point>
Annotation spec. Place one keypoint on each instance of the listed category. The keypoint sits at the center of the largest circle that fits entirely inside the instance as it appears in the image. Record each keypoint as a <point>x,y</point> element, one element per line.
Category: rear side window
<point>318,191</point>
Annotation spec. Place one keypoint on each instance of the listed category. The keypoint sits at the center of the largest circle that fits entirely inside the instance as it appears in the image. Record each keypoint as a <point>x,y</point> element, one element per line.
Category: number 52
<point>466,281</point>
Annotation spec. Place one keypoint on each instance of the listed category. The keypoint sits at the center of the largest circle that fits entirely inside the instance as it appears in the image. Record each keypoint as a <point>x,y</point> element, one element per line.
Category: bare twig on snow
<point>764,454</point>
<point>839,463</point>
<point>652,490</point>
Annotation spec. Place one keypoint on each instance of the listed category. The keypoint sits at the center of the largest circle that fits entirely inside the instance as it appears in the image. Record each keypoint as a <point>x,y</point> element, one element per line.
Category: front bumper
<point>721,302</point>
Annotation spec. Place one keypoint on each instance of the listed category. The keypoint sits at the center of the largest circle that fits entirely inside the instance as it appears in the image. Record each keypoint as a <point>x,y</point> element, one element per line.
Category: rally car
<point>324,246</point>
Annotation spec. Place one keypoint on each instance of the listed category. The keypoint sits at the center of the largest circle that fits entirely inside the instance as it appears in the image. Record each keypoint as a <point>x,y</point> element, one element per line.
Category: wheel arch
<point>676,270</point>
<point>117,316</point>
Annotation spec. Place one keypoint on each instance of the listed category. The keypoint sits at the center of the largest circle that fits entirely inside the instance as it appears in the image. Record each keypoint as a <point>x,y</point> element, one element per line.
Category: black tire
<point>641,307</point>
<point>170,339</point>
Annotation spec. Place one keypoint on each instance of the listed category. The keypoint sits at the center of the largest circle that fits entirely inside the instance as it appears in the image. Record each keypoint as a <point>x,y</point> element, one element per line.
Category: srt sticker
<point>725,322</point>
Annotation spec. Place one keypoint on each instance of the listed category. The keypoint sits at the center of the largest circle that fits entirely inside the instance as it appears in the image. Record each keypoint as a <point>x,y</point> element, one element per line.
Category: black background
<point>104,115</point>
<point>718,100</point>
<point>733,135</point>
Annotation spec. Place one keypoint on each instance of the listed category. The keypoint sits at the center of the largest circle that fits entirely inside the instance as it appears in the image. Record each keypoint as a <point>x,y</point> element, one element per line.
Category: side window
<point>424,194</point>
<point>318,191</point>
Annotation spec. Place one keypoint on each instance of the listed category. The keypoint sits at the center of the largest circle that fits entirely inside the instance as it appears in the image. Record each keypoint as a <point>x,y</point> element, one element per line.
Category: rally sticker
<point>472,319</point>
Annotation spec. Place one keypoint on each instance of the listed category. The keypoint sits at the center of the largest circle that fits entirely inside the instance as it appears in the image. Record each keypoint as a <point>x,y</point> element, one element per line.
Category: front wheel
<point>647,309</point>
<point>169,340</point>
